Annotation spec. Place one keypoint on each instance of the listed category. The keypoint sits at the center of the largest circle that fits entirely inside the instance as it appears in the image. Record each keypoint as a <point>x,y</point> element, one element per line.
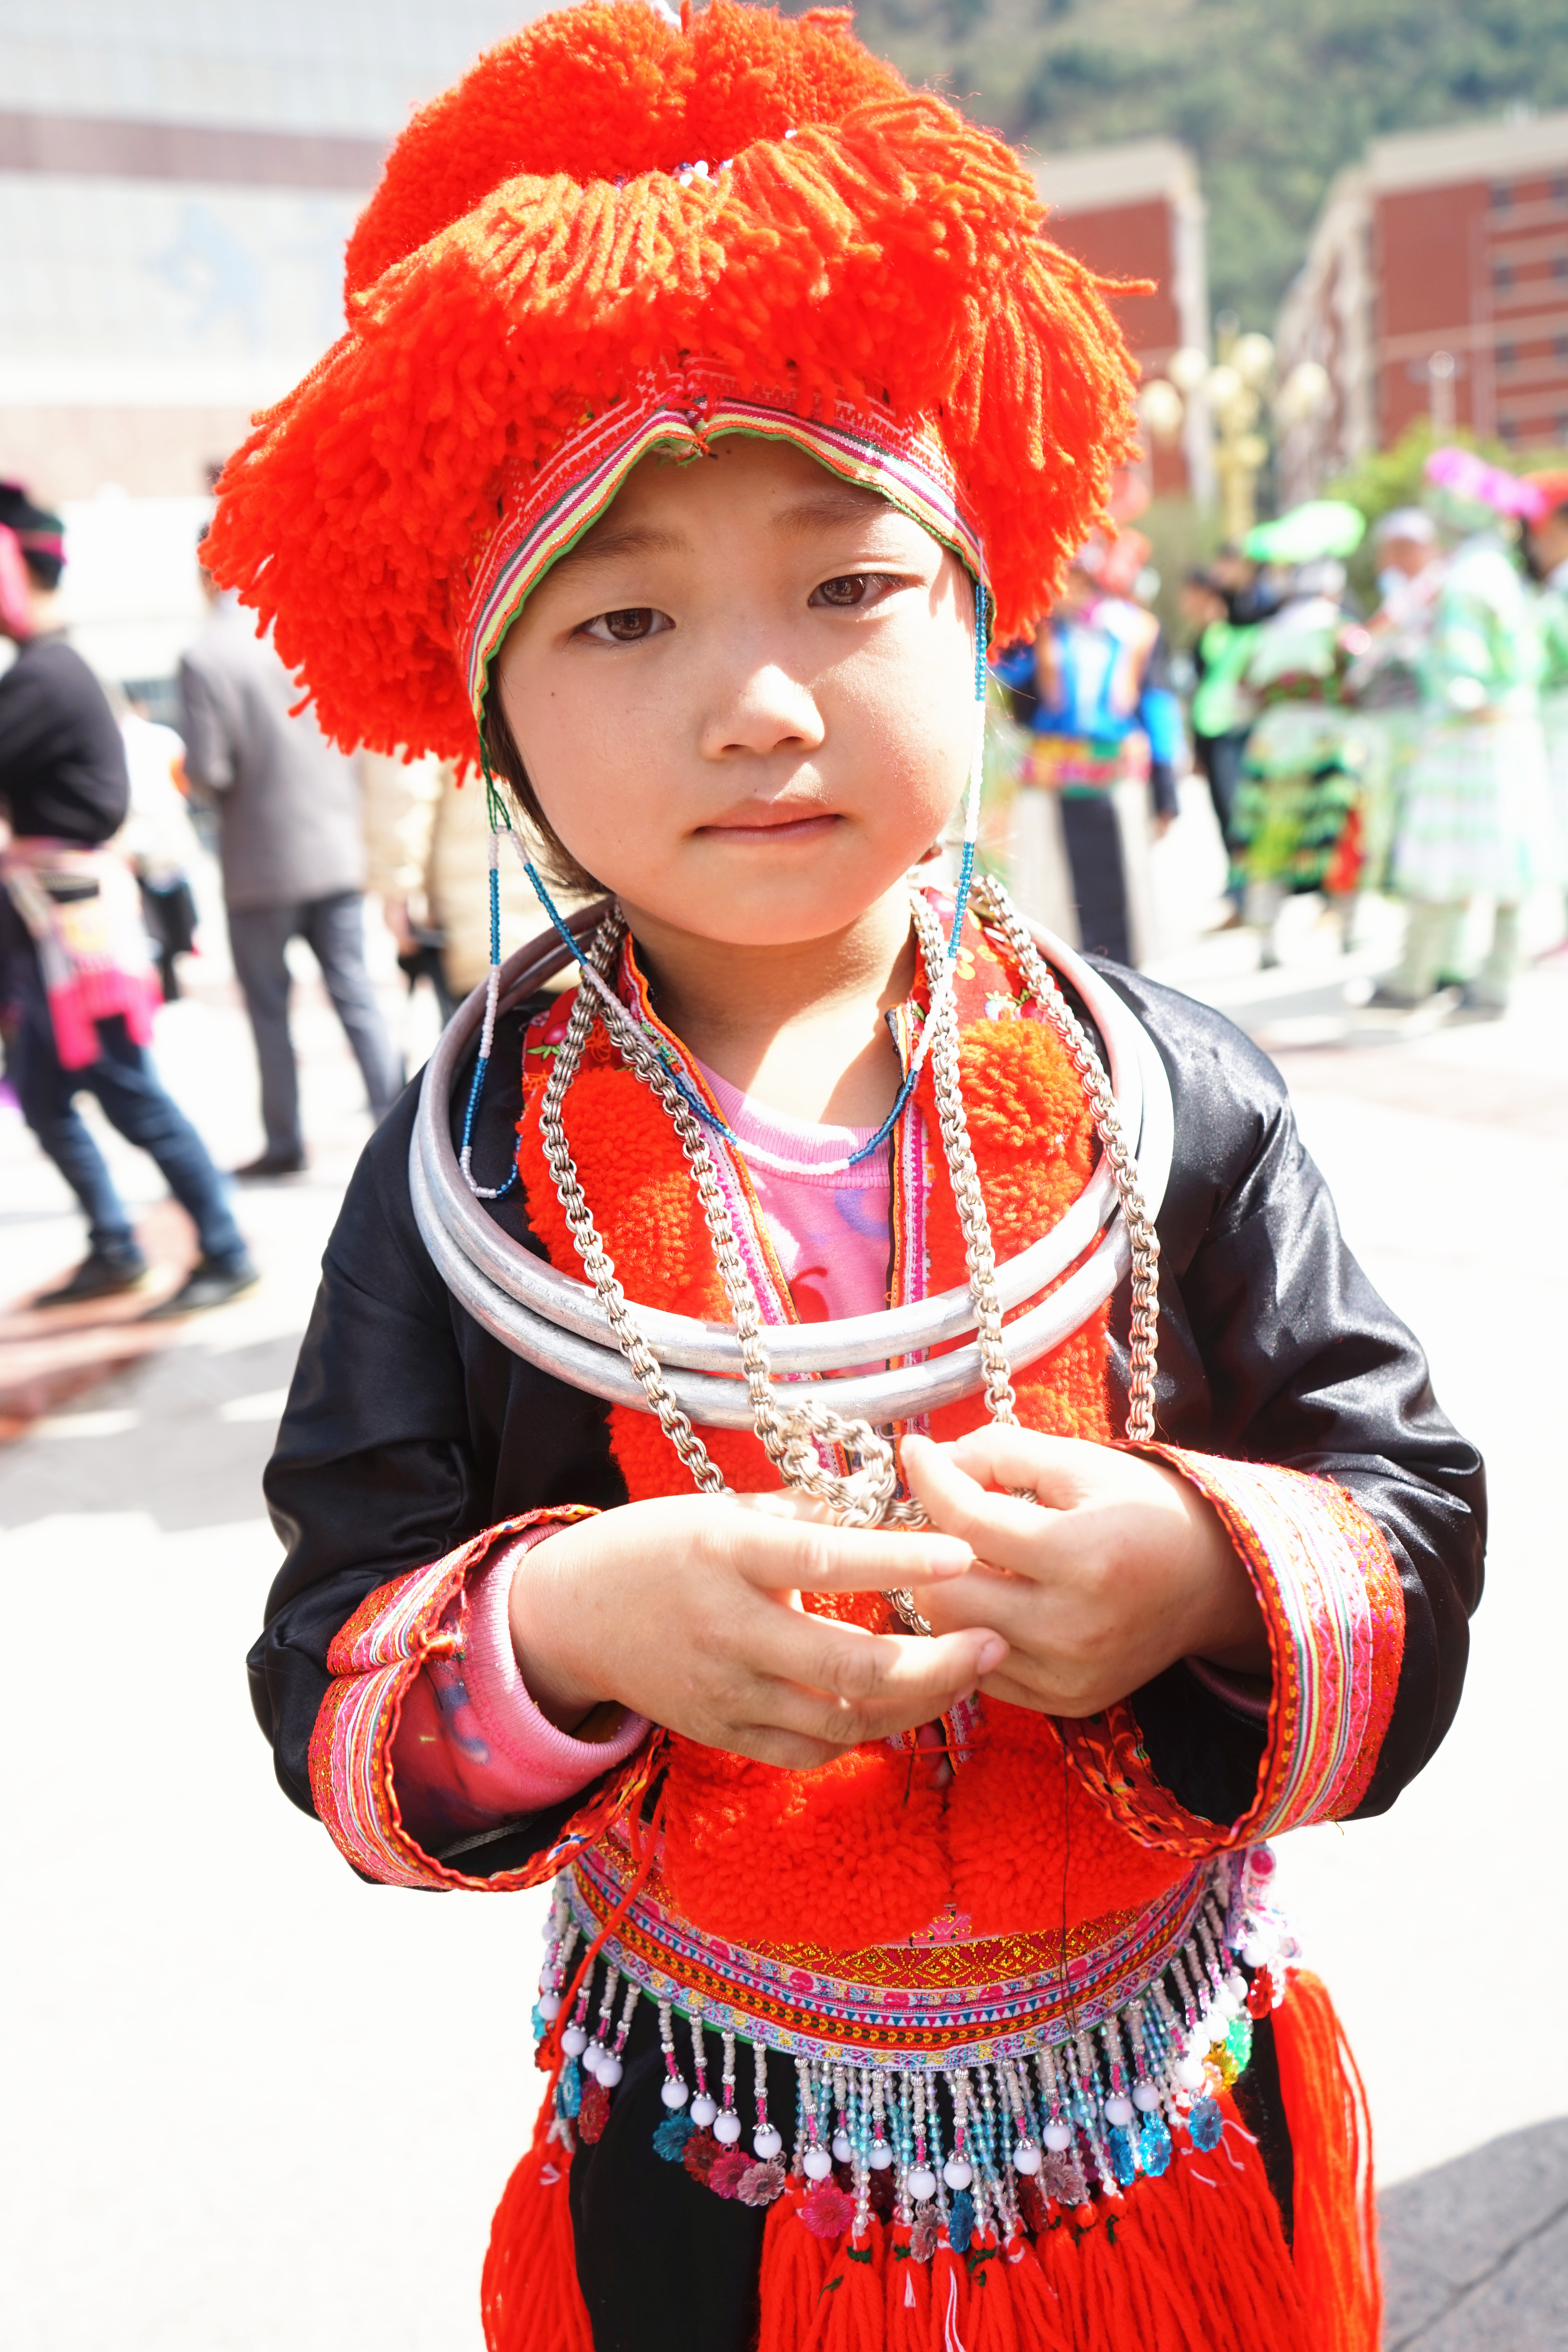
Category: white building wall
<point>142,319</point>
<point>355,66</point>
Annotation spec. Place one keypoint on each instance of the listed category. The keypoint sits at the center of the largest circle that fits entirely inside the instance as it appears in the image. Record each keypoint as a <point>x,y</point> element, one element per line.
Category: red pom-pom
<point>531,251</point>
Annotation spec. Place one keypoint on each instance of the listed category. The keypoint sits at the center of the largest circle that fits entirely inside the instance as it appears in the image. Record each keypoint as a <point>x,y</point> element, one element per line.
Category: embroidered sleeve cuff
<point>398,1688</point>
<point>530,1763</point>
<point>1334,1611</point>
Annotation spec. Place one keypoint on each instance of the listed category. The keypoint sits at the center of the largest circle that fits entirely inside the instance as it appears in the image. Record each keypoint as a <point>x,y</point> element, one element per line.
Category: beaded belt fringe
<point>950,2107</point>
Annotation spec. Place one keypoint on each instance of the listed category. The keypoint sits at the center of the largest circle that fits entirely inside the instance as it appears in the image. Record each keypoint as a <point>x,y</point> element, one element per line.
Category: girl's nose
<point>765,711</point>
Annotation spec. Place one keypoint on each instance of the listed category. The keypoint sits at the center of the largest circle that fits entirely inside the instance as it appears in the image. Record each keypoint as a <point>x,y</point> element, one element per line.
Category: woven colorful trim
<point>373,1660</point>
<point>1335,1613</point>
<point>547,513</point>
<point>954,2004</point>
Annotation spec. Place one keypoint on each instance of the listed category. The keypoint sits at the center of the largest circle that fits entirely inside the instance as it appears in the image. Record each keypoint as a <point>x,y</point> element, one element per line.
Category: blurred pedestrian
<point>1475,821</point>
<point>1222,711</point>
<point>1297,818</point>
<point>291,847</point>
<point>1546,552</point>
<point>1383,680</point>
<point>77,986</point>
<point>1105,729</point>
<point>160,841</point>
<point>427,840</point>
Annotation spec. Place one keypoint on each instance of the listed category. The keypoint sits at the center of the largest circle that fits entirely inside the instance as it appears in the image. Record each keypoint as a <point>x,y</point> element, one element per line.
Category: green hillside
<point>1272,97</point>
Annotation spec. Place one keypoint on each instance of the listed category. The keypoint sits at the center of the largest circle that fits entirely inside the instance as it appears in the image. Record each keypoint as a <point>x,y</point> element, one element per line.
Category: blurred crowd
<point>1418,749</point>
<point>107,816</point>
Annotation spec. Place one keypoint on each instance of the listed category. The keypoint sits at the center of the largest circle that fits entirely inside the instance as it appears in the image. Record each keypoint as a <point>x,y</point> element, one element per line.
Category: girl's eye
<point>851,589</point>
<point>628,627</point>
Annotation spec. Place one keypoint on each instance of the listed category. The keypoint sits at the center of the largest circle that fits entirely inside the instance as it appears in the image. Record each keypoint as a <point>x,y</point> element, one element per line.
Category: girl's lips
<point>770,828</point>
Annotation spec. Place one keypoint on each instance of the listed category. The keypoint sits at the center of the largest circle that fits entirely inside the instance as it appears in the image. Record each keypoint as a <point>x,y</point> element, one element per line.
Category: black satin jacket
<point>408,1429</point>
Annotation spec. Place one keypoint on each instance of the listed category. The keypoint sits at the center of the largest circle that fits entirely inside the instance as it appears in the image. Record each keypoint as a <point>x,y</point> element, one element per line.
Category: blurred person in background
<point>291,847</point>
<point>1474,818</point>
<point>1297,818</point>
<point>1094,693</point>
<point>1383,680</point>
<point>427,843</point>
<point>1546,554</point>
<point>160,840</point>
<point>78,990</point>
<point>1222,710</point>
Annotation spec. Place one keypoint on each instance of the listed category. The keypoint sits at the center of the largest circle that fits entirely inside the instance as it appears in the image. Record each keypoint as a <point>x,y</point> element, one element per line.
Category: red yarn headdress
<point>601,200</point>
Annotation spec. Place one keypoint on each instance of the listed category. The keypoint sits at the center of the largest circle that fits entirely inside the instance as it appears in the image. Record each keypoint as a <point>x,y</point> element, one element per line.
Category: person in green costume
<point>1546,552</point>
<point>1475,820</point>
<point>1222,711</point>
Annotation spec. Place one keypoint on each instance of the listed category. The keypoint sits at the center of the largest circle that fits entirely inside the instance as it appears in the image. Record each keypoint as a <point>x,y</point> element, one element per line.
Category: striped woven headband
<point>679,414</point>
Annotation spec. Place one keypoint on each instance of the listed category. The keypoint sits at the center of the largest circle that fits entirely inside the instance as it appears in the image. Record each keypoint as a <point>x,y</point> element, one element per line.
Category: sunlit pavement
<point>254,2103</point>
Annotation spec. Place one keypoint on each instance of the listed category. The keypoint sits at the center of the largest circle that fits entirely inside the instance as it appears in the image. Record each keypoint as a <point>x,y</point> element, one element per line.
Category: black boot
<point>102,1275</point>
<point>271,1163</point>
<point>211,1282</point>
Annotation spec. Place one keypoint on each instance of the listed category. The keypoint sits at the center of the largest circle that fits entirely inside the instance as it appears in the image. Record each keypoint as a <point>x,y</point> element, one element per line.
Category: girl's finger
<point>809,1555</point>
<point>997,1528</point>
<point>837,1683</point>
<point>1054,1470</point>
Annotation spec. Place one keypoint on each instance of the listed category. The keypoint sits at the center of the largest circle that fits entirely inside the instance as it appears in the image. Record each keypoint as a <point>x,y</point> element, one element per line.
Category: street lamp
<point>1234,389</point>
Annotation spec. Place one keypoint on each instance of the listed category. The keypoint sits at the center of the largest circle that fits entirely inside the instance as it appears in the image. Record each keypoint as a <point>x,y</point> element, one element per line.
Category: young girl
<point>853,1448</point>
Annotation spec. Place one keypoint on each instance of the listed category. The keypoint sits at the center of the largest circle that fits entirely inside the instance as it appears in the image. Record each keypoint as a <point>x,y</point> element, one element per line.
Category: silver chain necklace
<point>794,1428</point>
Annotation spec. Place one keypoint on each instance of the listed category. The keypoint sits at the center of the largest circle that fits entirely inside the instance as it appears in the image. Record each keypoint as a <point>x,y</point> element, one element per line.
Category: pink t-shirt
<point>471,1747</point>
<point>831,1234</point>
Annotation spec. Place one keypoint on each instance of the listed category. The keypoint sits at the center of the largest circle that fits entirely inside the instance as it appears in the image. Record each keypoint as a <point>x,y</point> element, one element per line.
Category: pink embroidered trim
<point>1336,1615</point>
<point>373,1660</point>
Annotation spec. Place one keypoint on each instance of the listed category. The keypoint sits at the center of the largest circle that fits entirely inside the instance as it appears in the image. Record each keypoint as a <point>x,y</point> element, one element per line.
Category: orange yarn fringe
<point>529,2300</point>
<point>1331,2131</point>
<point>1196,2258</point>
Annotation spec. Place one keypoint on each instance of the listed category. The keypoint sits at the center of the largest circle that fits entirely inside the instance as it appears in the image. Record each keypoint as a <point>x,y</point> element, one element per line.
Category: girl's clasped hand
<point>690,1610</point>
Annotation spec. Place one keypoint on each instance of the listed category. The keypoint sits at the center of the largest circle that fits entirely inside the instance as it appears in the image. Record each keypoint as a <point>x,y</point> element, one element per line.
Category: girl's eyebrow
<point>631,539</point>
<point>830,508</point>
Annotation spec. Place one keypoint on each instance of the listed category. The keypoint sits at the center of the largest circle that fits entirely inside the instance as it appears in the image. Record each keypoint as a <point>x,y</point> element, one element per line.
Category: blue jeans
<point>134,1100</point>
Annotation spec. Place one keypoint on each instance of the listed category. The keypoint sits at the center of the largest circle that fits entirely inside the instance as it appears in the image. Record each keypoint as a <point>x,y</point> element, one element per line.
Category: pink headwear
<point>1467,476</point>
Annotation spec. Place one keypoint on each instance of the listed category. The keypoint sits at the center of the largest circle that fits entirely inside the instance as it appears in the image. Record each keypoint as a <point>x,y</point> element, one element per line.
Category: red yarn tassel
<point>1060,2265</point>
<point>1104,2258</point>
<point>851,2310</point>
<point>1331,2133</point>
<point>948,2330</point>
<point>993,2320</point>
<point>529,2296</point>
<point>1039,2317</point>
<point>906,2286</point>
<point>794,2264</point>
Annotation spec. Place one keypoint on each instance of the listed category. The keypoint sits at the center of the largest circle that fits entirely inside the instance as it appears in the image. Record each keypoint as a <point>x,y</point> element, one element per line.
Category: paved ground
<point>1475,2253</point>
<point>256,2102</point>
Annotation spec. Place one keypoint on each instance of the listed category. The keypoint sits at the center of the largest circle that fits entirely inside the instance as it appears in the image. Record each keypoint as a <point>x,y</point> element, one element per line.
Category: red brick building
<point>1435,285</point>
<point>1136,211</point>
